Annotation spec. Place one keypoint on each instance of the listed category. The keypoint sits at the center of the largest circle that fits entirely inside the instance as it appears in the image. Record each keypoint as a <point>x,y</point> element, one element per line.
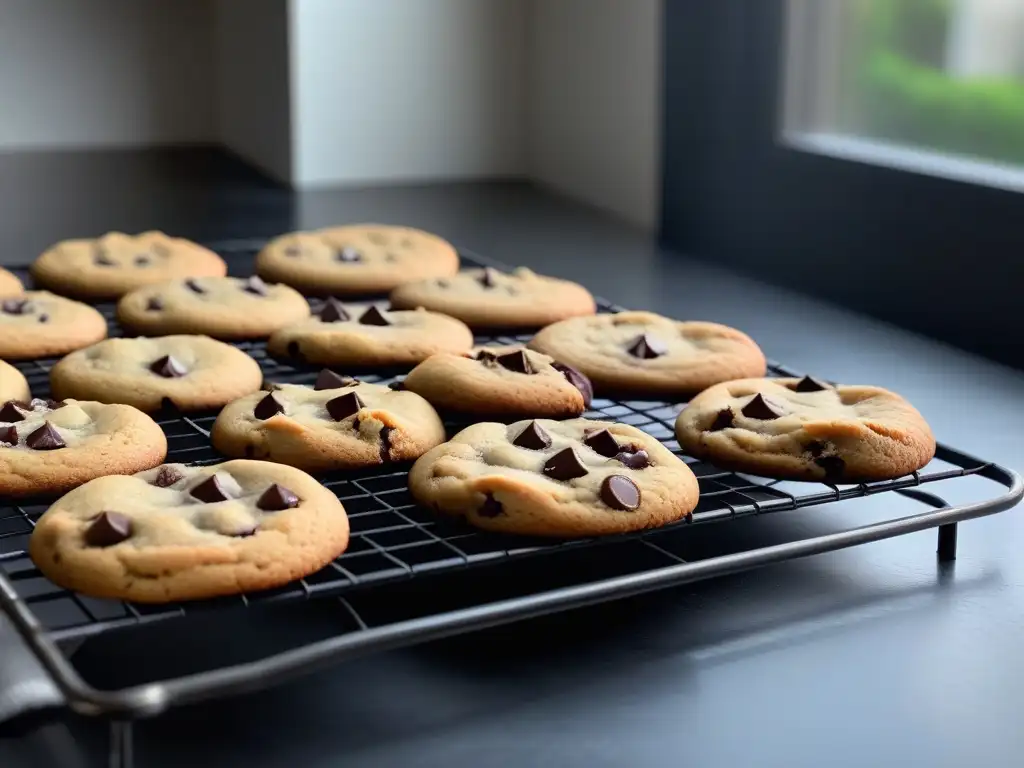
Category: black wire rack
<point>394,541</point>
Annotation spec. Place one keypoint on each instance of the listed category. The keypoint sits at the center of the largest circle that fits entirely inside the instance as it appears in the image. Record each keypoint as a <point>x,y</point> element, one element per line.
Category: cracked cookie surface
<point>192,372</point>
<point>41,324</point>
<point>184,533</point>
<point>803,429</point>
<point>341,424</point>
<point>556,478</point>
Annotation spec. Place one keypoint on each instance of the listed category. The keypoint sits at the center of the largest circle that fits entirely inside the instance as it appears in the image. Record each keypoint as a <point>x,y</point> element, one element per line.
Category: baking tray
<point>395,542</point>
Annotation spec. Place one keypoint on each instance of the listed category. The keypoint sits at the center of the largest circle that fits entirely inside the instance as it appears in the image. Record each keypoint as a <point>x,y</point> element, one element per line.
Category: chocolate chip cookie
<point>12,384</point>
<point>40,324</point>
<point>556,478</point>
<point>10,285</point>
<point>487,298</point>
<point>186,533</point>
<point>803,429</point>
<point>192,373</point>
<point>641,353</point>
<point>354,260</point>
<point>340,423</point>
<point>109,266</point>
<point>48,447</point>
<point>370,337</point>
<point>222,307</point>
<point>501,382</point>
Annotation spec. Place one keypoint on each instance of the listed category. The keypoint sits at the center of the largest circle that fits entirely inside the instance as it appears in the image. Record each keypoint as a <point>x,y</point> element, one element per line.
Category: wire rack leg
<point>947,542</point>
<point>121,744</point>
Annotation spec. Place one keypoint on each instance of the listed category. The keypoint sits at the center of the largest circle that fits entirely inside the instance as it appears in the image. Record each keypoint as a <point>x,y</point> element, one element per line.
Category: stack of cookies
<point>527,461</point>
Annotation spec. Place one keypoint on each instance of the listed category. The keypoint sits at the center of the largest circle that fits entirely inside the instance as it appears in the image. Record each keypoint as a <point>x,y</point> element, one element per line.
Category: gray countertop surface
<point>871,656</point>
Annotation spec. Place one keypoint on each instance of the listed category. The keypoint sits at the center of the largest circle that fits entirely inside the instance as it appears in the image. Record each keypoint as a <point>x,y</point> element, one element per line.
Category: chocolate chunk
<point>210,490</point>
<point>373,316</point>
<point>486,356</point>
<point>168,367</point>
<point>108,529</point>
<point>142,261</point>
<point>167,476</point>
<point>723,420</point>
<point>102,260</point>
<point>491,507</point>
<point>44,318</point>
<point>515,361</point>
<point>193,285</point>
<point>833,466</point>
<point>276,498</point>
<point>330,380</point>
<point>333,312</point>
<point>564,465</point>
<point>647,347</point>
<point>255,286</point>
<point>267,407</point>
<point>16,307</point>
<point>578,380</point>
<point>385,444</point>
<point>533,437</point>
<point>602,441</point>
<point>52,405</point>
<point>635,459</point>
<point>344,406</point>
<point>154,304</point>
<point>46,438</point>
<point>397,386</point>
<point>808,384</point>
<point>486,278</point>
<point>349,254</point>
<point>9,435</point>
<point>759,408</point>
<point>619,492</point>
<point>11,413</point>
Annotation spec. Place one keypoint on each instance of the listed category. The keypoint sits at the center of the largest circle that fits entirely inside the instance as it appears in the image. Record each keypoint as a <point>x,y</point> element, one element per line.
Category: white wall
<point>80,73</point>
<point>594,102</point>
<point>392,90</point>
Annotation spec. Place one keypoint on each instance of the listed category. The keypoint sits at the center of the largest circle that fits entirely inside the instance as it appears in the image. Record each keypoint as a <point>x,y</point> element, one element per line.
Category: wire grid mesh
<point>392,537</point>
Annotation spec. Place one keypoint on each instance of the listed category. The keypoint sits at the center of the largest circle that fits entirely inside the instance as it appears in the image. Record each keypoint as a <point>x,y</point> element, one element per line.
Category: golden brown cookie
<point>222,307</point>
<point>186,533</point>
<point>194,373</point>
<point>802,429</point>
<point>10,285</point>
<point>109,266</point>
<point>338,424</point>
<point>556,478</point>
<point>486,298</point>
<point>40,324</point>
<point>47,447</point>
<point>356,259</point>
<point>12,383</point>
<point>642,353</point>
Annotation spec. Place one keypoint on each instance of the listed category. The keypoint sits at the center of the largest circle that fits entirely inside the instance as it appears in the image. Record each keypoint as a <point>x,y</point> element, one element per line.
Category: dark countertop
<point>870,656</point>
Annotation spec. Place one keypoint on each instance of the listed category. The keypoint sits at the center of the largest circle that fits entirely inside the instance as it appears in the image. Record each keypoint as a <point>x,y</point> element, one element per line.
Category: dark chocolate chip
<point>210,490</point>
<point>619,492</point>
<point>168,367</point>
<point>16,307</point>
<point>293,349</point>
<point>102,260</point>
<point>486,278</point>
<point>515,361</point>
<point>723,420</point>
<point>276,498</point>
<point>635,459</point>
<point>491,507</point>
<point>533,437</point>
<point>154,304</point>
<point>46,438</point>
<point>344,406</point>
<point>564,465</point>
<point>44,318</point>
<point>486,356</point>
<point>808,384</point>
<point>193,285</point>
<point>578,380</point>
<point>255,286</point>
<point>333,312</point>
<point>397,386</point>
<point>9,435</point>
<point>108,529</point>
<point>647,347</point>
<point>142,261</point>
<point>385,444</point>
<point>167,476</point>
<point>815,448</point>
<point>349,254</point>
<point>267,407</point>
<point>10,412</point>
<point>373,316</point>
<point>833,466</point>
<point>330,380</point>
<point>761,409</point>
<point>602,441</point>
